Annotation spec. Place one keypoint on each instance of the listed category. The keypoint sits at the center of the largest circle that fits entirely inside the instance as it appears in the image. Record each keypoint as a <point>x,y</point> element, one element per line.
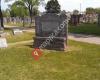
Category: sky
<point>68,5</point>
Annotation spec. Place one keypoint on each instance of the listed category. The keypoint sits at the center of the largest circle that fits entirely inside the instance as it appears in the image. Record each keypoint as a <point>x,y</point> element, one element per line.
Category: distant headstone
<point>75,19</point>
<point>46,25</point>
<point>4,34</point>
<point>17,31</point>
<point>3,43</point>
<point>99,19</point>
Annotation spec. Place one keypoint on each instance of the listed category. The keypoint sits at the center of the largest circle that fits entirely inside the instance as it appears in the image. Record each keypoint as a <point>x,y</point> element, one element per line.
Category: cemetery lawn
<point>90,29</point>
<point>21,37</point>
<point>13,24</point>
<point>81,62</point>
<point>18,24</point>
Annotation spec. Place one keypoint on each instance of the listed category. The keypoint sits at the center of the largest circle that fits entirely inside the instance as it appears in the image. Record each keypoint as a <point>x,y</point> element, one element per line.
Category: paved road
<point>85,38</point>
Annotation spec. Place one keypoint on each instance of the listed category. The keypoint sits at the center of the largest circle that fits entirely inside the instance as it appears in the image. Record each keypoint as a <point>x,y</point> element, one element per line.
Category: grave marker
<point>3,43</point>
<point>17,31</point>
<point>46,25</point>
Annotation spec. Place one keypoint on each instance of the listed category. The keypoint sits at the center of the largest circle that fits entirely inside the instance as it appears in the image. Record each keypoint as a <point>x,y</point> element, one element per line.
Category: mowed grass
<point>80,62</point>
<point>19,24</point>
<point>91,29</point>
<point>20,37</point>
<point>25,36</point>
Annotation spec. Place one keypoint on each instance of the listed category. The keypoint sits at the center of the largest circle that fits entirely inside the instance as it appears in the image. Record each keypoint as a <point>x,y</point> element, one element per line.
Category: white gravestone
<point>3,43</point>
<point>17,31</point>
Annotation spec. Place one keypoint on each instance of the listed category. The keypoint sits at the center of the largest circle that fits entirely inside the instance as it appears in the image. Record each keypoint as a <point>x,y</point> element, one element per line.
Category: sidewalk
<point>84,38</point>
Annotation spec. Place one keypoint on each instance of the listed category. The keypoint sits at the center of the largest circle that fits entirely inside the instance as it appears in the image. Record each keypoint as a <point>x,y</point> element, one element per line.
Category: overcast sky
<point>69,5</point>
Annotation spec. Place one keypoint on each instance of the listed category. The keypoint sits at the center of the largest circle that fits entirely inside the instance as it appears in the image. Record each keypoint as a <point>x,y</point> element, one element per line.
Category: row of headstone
<point>17,19</point>
<point>75,19</point>
<point>84,18</point>
<point>90,18</point>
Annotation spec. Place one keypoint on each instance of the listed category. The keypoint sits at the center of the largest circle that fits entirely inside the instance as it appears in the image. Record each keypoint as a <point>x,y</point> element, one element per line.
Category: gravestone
<point>46,25</point>
<point>75,19</point>
<point>3,43</point>
<point>98,19</point>
<point>17,31</point>
<point>4,34</point>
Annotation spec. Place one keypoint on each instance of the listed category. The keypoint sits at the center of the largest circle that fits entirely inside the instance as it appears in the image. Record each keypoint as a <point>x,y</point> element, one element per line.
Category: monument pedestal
<point>58,43</point>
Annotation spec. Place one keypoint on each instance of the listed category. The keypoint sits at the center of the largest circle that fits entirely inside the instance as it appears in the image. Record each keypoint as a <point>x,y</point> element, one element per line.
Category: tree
<point>6,13</point>
<point>53,7</point>
<point>1,18</point>
<point>90,10</point>
<point>75,12</point>
<point>31,5</point>
<point>97,10</point>
<point>17,10</point>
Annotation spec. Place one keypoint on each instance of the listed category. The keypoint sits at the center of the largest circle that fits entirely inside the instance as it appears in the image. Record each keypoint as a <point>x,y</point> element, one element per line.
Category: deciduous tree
<point>53,7</point>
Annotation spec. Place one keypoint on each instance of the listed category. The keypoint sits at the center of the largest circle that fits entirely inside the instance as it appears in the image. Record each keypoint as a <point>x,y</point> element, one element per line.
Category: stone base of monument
<point>58,43</point>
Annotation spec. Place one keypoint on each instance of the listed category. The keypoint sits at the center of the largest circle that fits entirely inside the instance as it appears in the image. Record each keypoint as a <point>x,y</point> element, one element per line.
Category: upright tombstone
<point>51,28</point>
<point>17,31</point>
<point>45,26</point>
<point>75,19</point>
<point>98,19</point>
<point>3,43</point>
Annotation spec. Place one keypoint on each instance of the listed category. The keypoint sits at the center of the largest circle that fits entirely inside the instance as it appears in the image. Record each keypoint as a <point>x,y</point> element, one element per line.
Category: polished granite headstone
<point>45,25</point>
<point>75,19</point>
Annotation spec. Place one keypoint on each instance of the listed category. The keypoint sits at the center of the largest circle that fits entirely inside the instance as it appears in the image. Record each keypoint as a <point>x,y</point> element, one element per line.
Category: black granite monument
<point>46,25</point>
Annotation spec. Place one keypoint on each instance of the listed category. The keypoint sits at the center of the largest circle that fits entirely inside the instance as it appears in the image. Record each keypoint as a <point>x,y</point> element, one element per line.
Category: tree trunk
<point>30,11</point>
<point>23,22</point>
<point>1,18</point>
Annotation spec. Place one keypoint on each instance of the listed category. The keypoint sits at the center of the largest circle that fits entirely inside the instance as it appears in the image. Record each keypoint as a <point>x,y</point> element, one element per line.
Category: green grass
<point>22,37</point>
<point>25,36</point>
<point>18,24</point>
<point>91,29</point>
<point>13,24</point>
<point>81,62</point>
